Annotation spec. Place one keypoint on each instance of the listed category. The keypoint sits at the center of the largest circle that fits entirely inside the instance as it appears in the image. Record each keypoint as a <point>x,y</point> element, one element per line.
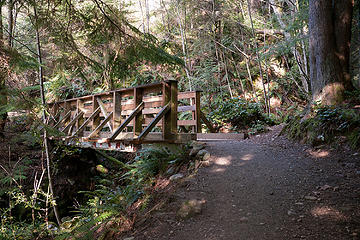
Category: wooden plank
<point>103,111</point>
<point>153,123</point>
<point>186,95</point>
<point>207,122</point>
<point>67,108</point>
<point>220,136</point>
<point>138,96</point>
<point>87,121</point>
<point>101,125</point>
<point>126,122</point>
<point>125,135</point>
<point>186,108</point>
<point>146,121</point>
<point>187,122</point>
<point>166,127</point>
<point>154,104</point>
<point>67,115</point>
<point>153,99</point>
<point>96,119</point>
<point>152,89</point>
<point>173,107</point>
<point>126,93</point>
<point>151,111</point>
<point>73,121</point>
<point>116,110</point>
<point>197,112</point>
<point>127,102</point>
<point>80,105</point>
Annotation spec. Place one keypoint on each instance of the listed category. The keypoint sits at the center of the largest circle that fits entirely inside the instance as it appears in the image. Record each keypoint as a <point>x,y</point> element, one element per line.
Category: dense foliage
<point>327,124</point>
<point>250,58</point>
<point>240,114</point>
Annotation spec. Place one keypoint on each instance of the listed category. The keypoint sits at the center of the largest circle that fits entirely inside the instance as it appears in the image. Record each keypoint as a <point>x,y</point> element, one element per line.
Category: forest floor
<point>265,187</point>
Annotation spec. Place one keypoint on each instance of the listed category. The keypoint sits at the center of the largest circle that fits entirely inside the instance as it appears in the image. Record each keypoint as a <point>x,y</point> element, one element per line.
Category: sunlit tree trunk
<point>1,23</point>
<point>43,101</point>
<point>142,17</point>
<point>216,38</point>
<point>329,46</point>
<point>147,11</point>
<point>3,76</point>
<point>267,105</point>
<point>181,22</point>
<point>10,6</point>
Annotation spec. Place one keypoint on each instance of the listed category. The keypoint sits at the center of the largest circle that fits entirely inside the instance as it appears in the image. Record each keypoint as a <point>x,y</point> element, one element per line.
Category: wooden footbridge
<point>125,118</point>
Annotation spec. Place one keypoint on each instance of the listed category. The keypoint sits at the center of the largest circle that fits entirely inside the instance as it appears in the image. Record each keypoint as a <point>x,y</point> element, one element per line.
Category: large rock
<point>204,155</point>
<point>195,149</point>
<point>176,177</point>
<point>202,152</point>
<point>190,208</point>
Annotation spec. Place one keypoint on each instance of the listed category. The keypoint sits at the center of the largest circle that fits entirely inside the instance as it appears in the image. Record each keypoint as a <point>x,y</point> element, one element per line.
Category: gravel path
<point>267,188</point>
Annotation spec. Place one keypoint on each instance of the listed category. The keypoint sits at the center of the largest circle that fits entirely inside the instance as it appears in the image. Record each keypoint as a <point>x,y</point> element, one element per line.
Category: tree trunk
<point>266,100</point>
<point>10,22</point>
<point>1,24</point>
<point>329,47</point>
<point>43,101</point>
<point>182,27</point>
<point>301,66</point>
<point>3,76</point>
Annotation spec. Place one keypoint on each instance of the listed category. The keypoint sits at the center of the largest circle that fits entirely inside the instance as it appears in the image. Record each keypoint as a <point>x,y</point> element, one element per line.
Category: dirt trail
<point>267,188</point>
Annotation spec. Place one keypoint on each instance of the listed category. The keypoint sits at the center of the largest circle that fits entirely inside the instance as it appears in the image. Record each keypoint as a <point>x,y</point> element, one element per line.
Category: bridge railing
<point>146,113</point>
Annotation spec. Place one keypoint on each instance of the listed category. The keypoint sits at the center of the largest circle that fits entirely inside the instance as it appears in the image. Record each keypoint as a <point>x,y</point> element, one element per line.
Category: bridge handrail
<point>137,104</point>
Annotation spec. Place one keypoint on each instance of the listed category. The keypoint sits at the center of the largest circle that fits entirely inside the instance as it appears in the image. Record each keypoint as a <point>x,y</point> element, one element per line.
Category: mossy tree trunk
<point>329,45</point>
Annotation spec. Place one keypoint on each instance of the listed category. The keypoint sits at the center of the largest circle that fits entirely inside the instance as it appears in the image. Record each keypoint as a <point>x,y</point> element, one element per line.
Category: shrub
<point>240,113</point>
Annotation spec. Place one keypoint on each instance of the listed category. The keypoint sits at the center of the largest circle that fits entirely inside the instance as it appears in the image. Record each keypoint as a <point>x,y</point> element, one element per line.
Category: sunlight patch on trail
<point>326,211</point>
<point>319,153</point>
<point>218,170</point>
<point>223,161</point>
<point>247,157</point>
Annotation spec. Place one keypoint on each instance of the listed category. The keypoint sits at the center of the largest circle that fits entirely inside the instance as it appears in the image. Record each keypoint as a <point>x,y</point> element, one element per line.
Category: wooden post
<point>67,107</point>
<point>80,105</point>
<point>174,106</point>
<point>116,110</point>
<point>96,120</point>
<point>138,120</point>
<point>197,112</point>
<point>56,110</point>
<point>169,124</point>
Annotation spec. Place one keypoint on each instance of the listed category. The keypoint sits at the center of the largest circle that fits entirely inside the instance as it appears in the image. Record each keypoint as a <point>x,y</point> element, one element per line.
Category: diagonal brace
<point>153,123</point>
<point>127,121</point>
<point>72,122</point>
<point>67,115</point>
<point>96,112</point>
<point>101,125</point>
<point>103,111</point>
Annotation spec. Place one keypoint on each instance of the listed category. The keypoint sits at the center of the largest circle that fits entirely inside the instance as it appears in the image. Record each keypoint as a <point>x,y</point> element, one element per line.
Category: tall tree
<point>3,76</point>
<point>329,46</point>
<point>10,7</point>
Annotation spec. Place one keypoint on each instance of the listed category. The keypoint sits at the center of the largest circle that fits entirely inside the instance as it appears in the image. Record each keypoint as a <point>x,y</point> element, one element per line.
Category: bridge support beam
<point>170,95</point>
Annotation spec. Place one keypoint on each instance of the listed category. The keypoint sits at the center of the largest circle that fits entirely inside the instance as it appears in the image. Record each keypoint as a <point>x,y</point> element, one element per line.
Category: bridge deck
<point>143,114</point>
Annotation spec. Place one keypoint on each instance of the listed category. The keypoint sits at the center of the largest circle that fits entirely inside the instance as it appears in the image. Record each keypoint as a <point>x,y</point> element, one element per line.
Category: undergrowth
<point>120,194</point>
<point>240,114</point>
<point>326,124</point>
<point>119,197</point>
